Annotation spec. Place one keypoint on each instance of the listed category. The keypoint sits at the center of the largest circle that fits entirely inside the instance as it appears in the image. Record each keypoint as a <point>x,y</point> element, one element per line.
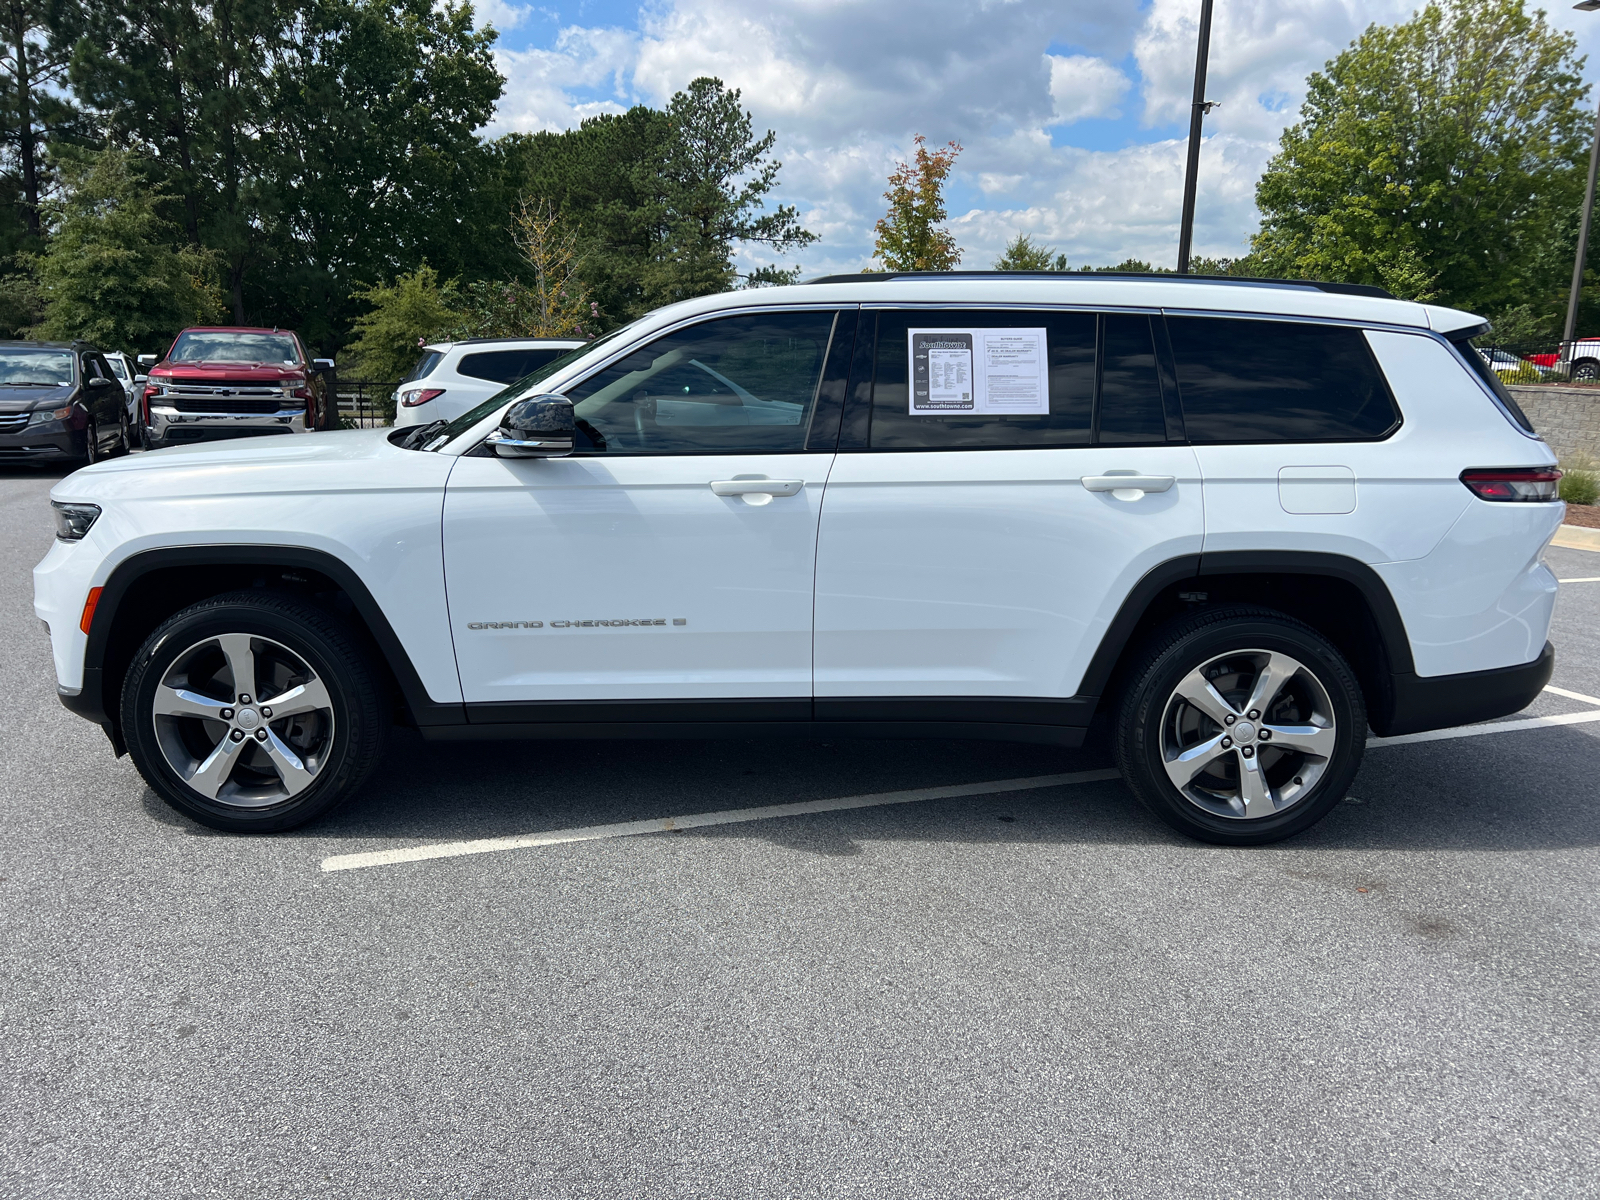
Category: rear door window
<point>958,348</point>
<point>1278,381</point>
<point>507,366</point>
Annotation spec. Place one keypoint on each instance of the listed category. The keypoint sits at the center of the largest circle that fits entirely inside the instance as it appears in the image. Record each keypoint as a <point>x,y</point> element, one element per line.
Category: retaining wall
<point>1566,417</point>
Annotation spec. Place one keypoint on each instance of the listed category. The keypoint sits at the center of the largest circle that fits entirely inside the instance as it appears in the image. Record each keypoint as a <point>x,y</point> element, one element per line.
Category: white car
<point>452,377</point>
<point>127,375</point>
<point>1245,521</point>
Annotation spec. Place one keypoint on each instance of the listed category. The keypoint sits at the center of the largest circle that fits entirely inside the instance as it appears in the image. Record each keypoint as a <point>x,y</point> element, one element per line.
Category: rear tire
<point>1242,726</point>
<point>253,712</point>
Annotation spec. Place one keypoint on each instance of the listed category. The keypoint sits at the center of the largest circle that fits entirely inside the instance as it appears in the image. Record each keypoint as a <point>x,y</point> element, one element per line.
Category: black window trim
<point>1366,346</point>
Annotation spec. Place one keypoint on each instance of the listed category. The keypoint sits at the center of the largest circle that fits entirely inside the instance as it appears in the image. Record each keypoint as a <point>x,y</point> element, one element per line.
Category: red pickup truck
<point>230,381</point>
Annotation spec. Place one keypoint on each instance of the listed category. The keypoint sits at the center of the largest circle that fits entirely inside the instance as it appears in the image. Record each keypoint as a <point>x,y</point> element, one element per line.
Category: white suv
<point>1245,521</point>
<point>452,377</point>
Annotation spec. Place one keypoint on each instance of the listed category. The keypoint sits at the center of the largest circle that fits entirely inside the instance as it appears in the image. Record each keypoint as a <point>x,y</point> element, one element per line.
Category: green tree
<point>414,309</point>
<point>116,272</point>
<point>908,235</point>
<point>714,181</point>
<point>37,40</point>
<point>1434,157</point>
<point>1022,253</point>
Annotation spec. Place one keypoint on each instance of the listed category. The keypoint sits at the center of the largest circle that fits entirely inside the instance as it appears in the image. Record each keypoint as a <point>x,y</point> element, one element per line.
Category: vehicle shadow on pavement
<point>1469,794</point>
<point>51,471</point>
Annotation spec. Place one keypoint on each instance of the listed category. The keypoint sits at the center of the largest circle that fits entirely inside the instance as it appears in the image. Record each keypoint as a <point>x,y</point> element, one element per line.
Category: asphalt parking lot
<point>1034,992</point>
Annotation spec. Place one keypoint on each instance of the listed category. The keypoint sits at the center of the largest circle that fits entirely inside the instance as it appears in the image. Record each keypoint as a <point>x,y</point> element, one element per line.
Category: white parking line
<point>1585,579</point>
<point>383,858</point>
<point>1551,688</point>
<point>739,816</point>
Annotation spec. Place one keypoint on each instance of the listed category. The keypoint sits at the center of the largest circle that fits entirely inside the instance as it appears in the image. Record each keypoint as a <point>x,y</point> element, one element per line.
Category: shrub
<point>1580,481</point>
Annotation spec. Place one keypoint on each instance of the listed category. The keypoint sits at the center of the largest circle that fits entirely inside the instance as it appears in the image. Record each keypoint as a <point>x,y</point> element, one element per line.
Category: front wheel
<point>1241,726</point>
<point>252,712</point>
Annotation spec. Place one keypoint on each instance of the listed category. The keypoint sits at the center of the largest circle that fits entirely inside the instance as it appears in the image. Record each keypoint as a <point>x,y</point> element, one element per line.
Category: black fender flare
<point>93,704</point>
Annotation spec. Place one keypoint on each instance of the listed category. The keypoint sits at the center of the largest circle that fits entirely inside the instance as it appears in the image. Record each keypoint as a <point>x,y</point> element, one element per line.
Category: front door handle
<point>1129,486</point>
<point>757,487</point>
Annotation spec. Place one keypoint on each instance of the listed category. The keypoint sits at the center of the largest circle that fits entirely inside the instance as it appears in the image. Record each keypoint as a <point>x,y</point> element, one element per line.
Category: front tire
<point>253,712</point>
<point>1242,726</point>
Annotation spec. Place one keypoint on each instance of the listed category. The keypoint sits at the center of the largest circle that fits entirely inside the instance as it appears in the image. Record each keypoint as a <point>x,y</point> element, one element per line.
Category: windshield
<point>471,417</point>
<point>22,367</point>
<point>205,345</point>
<point>118,368</point>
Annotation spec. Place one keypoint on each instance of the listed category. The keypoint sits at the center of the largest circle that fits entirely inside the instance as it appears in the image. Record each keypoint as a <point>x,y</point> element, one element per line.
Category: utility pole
<point>1583,230</point>
<point>1197,113</point>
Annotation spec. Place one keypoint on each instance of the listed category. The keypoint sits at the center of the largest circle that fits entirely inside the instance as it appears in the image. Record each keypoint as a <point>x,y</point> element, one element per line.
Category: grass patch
<point>1580,480</point>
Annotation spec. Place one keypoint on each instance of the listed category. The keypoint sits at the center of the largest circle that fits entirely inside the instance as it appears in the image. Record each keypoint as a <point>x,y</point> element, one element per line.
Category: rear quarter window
<point>506,366</point>
<point>1278,381</point>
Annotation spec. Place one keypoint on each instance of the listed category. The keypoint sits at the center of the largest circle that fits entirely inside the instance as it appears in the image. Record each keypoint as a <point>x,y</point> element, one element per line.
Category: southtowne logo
<point>612,624</point>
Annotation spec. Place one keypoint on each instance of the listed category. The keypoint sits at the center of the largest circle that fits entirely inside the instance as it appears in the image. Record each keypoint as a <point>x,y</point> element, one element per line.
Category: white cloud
<point>502,14</point>
<point>1084,86</point>
<point>846,83</point>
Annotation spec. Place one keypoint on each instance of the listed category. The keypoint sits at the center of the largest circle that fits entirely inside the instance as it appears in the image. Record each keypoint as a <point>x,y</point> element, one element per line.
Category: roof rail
<point>1341,289</point>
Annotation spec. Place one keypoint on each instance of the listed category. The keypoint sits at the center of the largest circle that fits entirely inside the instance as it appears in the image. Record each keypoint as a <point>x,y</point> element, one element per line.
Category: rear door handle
<point>1128,487</point>
<point>757,487</point>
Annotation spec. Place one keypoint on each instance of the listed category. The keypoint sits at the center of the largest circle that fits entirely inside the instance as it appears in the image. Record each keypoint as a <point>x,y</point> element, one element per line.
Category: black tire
<point>1156,726</point>
<point>292,646</point>
<point>1586,370</point>
<point>91,443</point>
<point>124,436</point>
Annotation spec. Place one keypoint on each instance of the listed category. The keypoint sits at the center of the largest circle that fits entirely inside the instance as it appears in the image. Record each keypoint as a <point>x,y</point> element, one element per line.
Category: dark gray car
<point>60,402</point>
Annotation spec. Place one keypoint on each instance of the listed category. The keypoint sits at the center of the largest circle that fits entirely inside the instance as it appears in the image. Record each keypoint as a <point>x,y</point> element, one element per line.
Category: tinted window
<point>1130,388</point>
<point>1069,353</point>
<point>1278,381</point>
<point>736,384</point>
<point>425,364</point>
<point>1491,378</point>
<point>506,366</point>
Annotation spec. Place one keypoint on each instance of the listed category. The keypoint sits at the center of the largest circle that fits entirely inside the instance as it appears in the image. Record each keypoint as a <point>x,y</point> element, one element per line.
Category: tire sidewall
<point>1148,703</point>
<point>170,641</point>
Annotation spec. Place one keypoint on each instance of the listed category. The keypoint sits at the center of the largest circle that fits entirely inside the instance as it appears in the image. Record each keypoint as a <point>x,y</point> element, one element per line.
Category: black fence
<point>364,403</point>
<point>1542,362</point>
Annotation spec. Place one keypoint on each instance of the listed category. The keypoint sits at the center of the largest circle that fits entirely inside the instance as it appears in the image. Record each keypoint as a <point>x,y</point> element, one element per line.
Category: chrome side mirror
<point>147,360</point>
<point>538,427</point>
<point>323,365</point>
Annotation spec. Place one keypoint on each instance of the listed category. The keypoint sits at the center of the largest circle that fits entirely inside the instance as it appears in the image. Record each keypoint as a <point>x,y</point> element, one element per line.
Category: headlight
<point>74,520</point>
<point>49,414</point>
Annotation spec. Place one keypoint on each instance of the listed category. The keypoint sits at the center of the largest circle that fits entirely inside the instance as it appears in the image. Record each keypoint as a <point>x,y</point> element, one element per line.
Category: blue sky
<point>1073,113</point>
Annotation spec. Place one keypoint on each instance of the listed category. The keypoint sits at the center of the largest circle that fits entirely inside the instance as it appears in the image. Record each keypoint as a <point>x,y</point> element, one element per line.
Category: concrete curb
<point>1576,537</point>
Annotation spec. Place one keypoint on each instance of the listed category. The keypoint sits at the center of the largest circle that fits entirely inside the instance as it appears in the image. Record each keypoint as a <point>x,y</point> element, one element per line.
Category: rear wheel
<point>1242,726</point>
<point>1586,370</point>
<point>252,712</point>
<point>124,435</point>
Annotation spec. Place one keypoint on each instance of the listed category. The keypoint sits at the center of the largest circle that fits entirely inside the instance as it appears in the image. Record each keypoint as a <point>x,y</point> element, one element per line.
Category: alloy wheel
<point>1247,734</point>
<point>243,720</point>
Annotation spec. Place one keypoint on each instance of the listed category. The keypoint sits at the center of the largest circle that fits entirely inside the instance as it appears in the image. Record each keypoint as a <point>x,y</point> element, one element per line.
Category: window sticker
<point>979,372</point>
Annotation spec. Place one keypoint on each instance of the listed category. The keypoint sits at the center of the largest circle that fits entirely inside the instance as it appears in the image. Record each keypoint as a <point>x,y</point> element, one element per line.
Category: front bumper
<point>52,441</point>
<point>169,427</point>
<point>1421,702</point>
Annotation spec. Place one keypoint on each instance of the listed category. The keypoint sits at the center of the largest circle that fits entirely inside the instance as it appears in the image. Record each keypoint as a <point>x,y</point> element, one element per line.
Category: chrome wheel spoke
<point>1279,669</point>
<point>1317,740</point>
<point>210,775</point>
<point>309,696</point>
<point>241,662</point>
<point>293,772</point>
<point>180,702</point>
<point>1182,769</point>
<point>1197,690</point>
<point>1254,790</point>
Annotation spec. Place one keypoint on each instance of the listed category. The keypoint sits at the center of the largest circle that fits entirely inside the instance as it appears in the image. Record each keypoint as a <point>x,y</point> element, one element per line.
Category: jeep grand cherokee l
<point>1247,521</point>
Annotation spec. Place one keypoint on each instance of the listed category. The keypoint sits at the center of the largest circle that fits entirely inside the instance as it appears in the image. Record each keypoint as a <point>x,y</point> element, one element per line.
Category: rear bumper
<point>1442,701</point>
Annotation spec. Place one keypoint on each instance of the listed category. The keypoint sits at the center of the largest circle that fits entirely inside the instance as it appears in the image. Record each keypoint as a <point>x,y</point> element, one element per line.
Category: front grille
<point>13,422</point>
<point>221,404</point>
<point>222,389</point>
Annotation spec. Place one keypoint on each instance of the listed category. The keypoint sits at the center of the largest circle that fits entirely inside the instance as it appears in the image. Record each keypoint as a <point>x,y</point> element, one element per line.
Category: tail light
<point>418,396</point>
<point>1526,484</point>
